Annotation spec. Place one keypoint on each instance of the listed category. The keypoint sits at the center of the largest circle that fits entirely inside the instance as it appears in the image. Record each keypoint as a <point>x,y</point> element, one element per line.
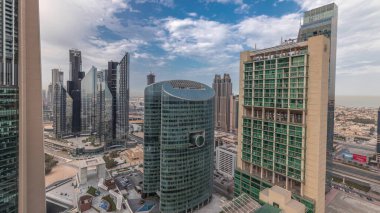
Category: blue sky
<point>196,39</point>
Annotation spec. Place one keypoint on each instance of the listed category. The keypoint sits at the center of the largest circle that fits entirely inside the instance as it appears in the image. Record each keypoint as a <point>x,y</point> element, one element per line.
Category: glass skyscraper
<point>103,109</point>
<point>88,102</point>
<point>178,144</point>
<point>324,21</point>
<point>122,99</point>
<point>62,111</point>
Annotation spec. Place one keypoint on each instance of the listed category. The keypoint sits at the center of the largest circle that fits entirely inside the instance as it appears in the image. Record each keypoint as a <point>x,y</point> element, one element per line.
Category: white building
<point>226,159</point>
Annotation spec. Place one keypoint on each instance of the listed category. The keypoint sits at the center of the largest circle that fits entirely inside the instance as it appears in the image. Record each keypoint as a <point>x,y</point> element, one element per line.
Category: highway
<point>356,173</point>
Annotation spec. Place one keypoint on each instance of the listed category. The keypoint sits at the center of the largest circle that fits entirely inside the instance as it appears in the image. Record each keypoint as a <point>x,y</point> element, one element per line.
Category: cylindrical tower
<point>183,143</point>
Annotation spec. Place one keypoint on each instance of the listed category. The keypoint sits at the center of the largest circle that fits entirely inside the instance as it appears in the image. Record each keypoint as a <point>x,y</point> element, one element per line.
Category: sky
<point>196,39</point>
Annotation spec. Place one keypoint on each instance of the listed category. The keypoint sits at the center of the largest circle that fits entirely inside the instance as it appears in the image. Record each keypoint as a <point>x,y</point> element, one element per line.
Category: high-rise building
<point>150,78</point>
<point>223,94</point>
<point>282,126</point>
<point>56,76</point>
<point>122,99</point>
<point>62,111</point>
<point>111,82</point>
<point>88,102</point>
<point>378,139</point>
<point>178,144</point>
<point>22,185</point>
<point>74,87</point>
<point>103,108</point>
<point>234,113</point>
<point>324,21</point>
<point>225,162</point>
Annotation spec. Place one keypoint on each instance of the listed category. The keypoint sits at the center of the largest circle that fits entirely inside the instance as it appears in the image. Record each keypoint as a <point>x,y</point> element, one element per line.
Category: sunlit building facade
<point>103,109</point>
<point>122,99</point>
<point>282,130</point>
<point>178,144</point>
<point>88,102</point>
<point>324,21</point>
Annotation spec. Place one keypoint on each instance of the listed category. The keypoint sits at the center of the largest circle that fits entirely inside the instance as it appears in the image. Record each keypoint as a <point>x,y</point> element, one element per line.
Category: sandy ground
<point>60,172</point>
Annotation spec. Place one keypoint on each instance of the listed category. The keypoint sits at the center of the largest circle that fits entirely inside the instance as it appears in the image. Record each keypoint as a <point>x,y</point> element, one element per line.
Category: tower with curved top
<point>178,144</point>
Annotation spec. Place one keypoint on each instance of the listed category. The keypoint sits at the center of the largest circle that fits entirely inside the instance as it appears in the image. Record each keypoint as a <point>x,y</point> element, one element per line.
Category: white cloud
<point>241,9</point>
<point>166,3</point>
<point>192,14</point>
<point>74,24</point>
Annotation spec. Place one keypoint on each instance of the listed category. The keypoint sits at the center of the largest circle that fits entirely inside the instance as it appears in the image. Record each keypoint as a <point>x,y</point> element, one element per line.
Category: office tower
<point>103,108</point>
<point>324,21</point>
<point>122,99</point>
<point>378,139</point>
<point>62,111</point>
<point>27,58</point>
<point>282,126</point>
<point>150,78</point>
<point>234,113</point>
<point>111,82</point>
<point>56,76</point>
<point>74,87</point>
<point>226,160</point>
<point>88,102</point>
<point>50,95</point>
<point>178,144</point>
<point>223,93</point>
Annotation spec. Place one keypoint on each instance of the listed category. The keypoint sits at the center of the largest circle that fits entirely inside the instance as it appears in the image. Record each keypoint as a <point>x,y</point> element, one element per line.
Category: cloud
<point>192,14</point>
<point>241,9</point>
<point>166,3</point>
<point>75,24</point>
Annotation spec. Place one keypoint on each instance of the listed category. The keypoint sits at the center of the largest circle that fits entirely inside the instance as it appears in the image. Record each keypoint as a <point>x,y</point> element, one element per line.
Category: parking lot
<point>130,184</point>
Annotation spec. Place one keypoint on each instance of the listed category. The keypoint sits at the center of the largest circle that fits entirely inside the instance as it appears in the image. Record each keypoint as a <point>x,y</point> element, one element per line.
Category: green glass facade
<point>273,133</point>
<point>178,144</point>
<point>8,148</point>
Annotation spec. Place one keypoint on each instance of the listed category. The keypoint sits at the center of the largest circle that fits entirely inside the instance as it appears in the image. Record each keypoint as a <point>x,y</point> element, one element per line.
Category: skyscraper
<point>324,21</point>
<point>234,113</point>
<point>88,102</point>
<point>74,87</point>
<point>122,99</point>
<point>56,76</point>
<point>282,126</point>
<point>62,111</point>
<point>150,78</point>
<point>223,94</point>
<point>103,108</point>
<point>31,183</point>
<point>178,144</point>
<point>111,82</point>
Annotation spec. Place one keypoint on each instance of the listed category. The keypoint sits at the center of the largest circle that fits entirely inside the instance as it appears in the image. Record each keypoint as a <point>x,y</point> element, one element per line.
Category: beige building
<point>133,155</point>
<point>222,105</point>
<point>31,154</point>
<point>282,126</point>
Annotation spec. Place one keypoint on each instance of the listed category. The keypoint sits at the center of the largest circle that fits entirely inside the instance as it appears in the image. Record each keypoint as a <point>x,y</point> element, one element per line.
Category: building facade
<point>20,108</point>
<point>178,144</point>
<point>150,79</point>
<point>223,95</point>
<point>31,182</point>
<point>88,102</point>
<point>62,111</point>
<point>103,108</point>
<point>74,87</point>
<point>122,99</point>
<point>324,21</point>
<point>234,113</point>
<point>226,160</point>
<point>283,117</point>
<point>111,83</point>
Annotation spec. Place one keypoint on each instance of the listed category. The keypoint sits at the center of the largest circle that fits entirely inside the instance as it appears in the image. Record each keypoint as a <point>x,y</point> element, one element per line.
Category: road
<point>350,171</point>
